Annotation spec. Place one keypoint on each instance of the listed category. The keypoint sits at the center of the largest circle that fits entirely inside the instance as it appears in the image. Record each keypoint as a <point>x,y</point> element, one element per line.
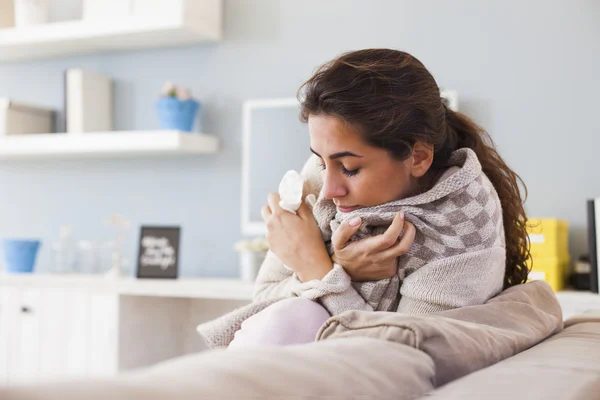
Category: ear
<point>422,158</point>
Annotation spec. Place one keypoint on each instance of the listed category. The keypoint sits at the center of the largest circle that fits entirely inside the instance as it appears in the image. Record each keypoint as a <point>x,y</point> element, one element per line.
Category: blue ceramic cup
<point>176,114</point>
<point>20,255</point>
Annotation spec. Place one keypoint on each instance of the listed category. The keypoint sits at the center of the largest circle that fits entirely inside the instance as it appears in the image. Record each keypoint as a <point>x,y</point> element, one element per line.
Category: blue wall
<point>527,71</point>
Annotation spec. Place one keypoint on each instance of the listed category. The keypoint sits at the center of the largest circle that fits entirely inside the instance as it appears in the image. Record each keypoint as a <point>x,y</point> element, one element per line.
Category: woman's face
<point>356,174</point>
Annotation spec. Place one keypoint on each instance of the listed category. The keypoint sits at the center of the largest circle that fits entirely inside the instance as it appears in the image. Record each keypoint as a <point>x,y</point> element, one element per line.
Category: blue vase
<point>176,114</point>
<point>20,255</point>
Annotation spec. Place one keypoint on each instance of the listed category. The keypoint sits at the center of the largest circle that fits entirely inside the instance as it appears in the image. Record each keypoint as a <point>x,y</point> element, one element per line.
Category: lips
<point>347,209</point>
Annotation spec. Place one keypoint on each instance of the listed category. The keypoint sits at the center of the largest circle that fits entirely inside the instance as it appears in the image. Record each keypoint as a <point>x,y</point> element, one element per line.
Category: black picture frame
<point>158,252</point>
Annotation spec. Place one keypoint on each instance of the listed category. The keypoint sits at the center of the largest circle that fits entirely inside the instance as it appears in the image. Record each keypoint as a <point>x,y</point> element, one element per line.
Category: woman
<point>389,150</point>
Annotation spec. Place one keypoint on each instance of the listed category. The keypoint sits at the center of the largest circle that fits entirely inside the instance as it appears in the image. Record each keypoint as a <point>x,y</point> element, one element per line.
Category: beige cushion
<point>564,367</point>
<point>466,339</point>
<point>357,368</point>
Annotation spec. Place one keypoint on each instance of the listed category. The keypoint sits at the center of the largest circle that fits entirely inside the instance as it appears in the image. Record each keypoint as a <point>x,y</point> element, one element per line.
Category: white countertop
<point>204,288</point>
<point>201,288</point>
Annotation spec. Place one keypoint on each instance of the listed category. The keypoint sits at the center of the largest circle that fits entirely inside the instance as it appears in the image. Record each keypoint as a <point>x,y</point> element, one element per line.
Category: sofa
<point>515,346</point>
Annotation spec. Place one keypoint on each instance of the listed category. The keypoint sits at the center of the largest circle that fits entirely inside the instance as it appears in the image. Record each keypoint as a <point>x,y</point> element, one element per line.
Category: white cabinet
<point>8,313</point>
<point>102,319</point>
<point>57,327</point>
<point>52,333</point>
<point>24,340</point>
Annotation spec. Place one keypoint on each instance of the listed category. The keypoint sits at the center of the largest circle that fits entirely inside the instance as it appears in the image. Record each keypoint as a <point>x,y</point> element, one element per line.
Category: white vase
<point>31,12</point>
<point>250,262</point>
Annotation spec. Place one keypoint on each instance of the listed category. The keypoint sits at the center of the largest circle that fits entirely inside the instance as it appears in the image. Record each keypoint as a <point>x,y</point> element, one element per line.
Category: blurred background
<point>526,71</point>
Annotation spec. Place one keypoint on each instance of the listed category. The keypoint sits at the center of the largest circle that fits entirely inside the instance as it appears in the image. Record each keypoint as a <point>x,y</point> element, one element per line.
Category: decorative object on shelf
<point>121,225</point>
<point>20,255</point>
<point>158,255</point>
<point>64,251</point>
<point>87,257</point>
<point>20,119</point>
<point>30,12</point>
<point>96,257</point>
<point>88,101</point>
<point>251,252</point>
<point>176,108</point>
<point>7,13</point>
<point>106,9</point>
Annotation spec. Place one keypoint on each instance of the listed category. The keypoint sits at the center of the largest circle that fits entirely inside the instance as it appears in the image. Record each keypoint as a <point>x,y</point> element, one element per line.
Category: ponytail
<point>463,132</point>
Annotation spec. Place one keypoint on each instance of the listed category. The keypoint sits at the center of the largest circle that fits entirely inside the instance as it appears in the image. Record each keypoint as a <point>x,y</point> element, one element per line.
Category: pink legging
<point>291,321</point>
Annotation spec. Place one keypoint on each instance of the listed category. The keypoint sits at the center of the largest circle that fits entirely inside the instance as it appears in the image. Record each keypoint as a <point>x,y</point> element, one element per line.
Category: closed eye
<point>350,173</point>
<point>345,171</point>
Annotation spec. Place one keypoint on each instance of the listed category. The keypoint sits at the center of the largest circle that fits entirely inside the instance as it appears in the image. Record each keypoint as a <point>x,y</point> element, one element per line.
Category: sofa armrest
<point>466,339</point>
<point>588,316</point>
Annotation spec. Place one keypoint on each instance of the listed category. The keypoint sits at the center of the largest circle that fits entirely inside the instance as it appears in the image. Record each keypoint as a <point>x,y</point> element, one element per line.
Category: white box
<point>7,13</point>
<point>21,119</point>
<point>106,9</point>
<point>88,101</point>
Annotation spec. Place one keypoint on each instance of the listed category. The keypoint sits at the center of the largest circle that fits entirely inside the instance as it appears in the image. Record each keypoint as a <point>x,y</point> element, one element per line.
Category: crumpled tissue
<point>290,193</point>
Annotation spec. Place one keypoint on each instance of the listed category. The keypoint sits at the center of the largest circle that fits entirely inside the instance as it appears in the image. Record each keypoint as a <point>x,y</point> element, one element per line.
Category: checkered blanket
<point>458,256</point>
<point>461,214</point>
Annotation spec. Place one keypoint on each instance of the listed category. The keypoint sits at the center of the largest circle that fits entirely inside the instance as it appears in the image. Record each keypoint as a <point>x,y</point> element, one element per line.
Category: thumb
<point>343,234</point>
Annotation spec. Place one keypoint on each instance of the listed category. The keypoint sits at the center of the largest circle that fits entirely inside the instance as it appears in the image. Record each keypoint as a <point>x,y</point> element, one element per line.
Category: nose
<point>333,186</point>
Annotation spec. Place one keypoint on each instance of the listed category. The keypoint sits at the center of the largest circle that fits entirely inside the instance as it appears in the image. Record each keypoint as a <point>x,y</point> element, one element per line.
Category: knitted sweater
<point>457,258</point>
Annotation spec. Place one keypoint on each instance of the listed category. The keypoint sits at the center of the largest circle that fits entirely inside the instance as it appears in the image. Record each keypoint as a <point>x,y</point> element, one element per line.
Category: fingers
<point>390,237</point>
<point>273,204</point>
<point>265,212</point>
<point>343,234</point>
<point>403,246</point>
<point>273,201</point>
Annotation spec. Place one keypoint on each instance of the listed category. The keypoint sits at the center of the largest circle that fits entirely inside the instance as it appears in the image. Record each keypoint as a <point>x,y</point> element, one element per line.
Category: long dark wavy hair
<point>393,101</point>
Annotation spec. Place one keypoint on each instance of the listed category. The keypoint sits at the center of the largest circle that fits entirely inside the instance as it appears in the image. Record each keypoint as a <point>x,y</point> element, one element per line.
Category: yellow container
<point>549,238</point>
<point>553,270</point>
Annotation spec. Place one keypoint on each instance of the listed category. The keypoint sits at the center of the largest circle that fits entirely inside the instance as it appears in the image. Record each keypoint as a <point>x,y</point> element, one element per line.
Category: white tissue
<point>290,191</point>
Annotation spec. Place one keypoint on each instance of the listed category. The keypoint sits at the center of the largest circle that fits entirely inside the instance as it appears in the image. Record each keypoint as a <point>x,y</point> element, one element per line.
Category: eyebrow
<point>337,155</point>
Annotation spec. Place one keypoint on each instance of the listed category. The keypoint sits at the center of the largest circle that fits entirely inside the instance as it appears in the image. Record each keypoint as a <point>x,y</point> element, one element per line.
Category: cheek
<point>380,188</point>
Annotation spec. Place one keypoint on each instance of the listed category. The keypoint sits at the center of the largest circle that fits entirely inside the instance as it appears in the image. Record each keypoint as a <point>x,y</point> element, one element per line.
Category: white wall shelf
<point>188,23</point>
<point>126,144</point>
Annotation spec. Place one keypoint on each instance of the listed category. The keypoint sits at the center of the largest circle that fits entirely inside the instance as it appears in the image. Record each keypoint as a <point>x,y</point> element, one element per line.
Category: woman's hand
<point>296,240</point>
<point>373,258</point>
